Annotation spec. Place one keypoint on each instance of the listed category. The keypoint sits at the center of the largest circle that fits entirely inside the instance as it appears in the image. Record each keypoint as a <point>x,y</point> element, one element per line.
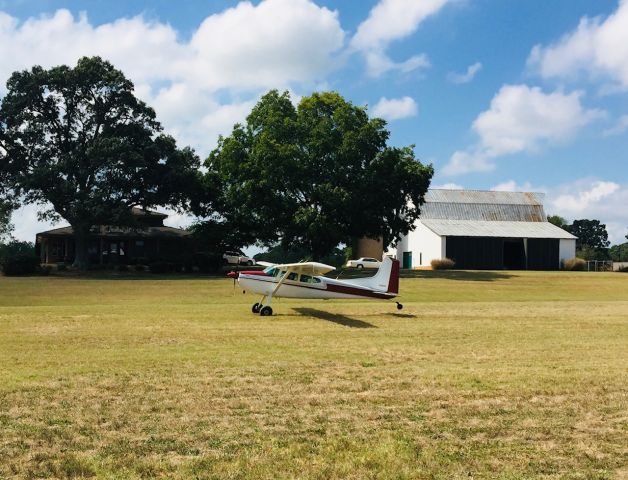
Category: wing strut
<point>288,272</point>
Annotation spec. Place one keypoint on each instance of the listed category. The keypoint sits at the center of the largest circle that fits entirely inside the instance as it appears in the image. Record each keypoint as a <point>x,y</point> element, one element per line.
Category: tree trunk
<point>81,235</point>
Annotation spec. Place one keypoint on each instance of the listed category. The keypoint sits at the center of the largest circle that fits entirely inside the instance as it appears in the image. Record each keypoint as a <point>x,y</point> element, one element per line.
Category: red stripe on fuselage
<point>349,290</point>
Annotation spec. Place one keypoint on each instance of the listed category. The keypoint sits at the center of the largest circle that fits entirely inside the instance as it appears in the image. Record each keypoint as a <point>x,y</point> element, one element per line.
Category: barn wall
<point>567,249</point>
<point>425,246</point>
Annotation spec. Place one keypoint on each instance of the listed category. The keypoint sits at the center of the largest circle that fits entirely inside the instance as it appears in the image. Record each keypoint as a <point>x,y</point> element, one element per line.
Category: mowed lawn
<point>482,375</point>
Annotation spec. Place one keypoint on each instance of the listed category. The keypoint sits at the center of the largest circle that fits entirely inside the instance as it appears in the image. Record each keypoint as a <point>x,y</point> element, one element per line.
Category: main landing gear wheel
<point>266,311</point>
<point>256,307</point>
<point>399,306</point>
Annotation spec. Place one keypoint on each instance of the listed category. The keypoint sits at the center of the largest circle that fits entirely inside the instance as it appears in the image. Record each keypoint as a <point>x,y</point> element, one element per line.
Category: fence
<point>599,266</point>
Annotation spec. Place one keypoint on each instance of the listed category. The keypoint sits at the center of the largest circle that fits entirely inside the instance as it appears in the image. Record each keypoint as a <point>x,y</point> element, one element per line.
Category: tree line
<point>592,242</point>
<point>77,142</point>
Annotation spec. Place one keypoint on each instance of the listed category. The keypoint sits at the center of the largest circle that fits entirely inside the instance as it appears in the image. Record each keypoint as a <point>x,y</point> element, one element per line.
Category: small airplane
<point>306,280</point>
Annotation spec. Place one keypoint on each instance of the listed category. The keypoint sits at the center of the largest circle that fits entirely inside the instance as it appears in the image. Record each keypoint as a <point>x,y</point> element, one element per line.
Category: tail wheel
<point>266,311</point>
<point>256,307</point>
<point>399,306</point>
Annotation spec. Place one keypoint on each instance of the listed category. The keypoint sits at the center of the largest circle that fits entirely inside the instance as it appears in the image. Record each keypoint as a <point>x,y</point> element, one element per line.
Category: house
<point>485,230</point>
<point>150,240</point>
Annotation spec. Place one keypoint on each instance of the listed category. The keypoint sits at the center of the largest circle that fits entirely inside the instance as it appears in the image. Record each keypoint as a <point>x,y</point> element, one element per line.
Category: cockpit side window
<point>309,279</point>
<point>293,276</point>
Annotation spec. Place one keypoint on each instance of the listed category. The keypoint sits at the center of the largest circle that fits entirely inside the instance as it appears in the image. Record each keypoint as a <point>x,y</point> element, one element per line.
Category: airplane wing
<point>307,268</point>
<point>264,264</point>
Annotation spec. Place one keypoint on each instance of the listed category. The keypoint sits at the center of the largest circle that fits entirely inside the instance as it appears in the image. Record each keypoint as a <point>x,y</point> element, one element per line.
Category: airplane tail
<point>386,279</point>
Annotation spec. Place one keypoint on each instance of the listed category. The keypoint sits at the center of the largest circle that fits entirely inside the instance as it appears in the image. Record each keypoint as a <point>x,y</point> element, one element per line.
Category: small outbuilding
<point>485,230</point>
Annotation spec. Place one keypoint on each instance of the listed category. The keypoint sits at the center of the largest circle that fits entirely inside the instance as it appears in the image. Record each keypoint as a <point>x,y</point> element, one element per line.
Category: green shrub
<point>61,267</point>
<point>16,247</point>
<point>623,269</point>
<point>442,264</point>
<point>139,267</point>
<point>574,264</point>
<point>123,268</point>
<point>20,264</point>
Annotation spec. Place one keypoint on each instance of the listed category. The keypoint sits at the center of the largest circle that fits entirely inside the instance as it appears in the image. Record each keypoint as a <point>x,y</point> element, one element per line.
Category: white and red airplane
<point>306,280</point>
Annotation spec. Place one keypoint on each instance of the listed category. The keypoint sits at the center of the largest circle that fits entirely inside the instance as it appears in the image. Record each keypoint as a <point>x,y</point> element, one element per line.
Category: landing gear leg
<point>399,306</point>
<point>258,306</point>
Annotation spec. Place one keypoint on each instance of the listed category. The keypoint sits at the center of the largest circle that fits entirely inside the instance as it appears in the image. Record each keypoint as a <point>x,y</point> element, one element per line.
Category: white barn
<point>485,230</point>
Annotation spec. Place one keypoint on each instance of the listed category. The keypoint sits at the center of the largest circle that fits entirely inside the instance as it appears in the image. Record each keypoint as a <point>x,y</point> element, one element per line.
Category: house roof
<point>110,231</point>
<point>141,212</point>
<point>503,229</point>
<point>483,206</point>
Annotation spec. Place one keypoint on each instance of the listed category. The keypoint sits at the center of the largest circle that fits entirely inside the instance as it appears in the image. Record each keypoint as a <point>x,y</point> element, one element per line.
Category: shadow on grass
<point>334,317</point>
<point>401,315</point>
<point>466,275</point>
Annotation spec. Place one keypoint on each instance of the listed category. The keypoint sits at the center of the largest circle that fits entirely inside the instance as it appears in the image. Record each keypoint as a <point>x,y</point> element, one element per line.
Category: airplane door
<point>407,260</point>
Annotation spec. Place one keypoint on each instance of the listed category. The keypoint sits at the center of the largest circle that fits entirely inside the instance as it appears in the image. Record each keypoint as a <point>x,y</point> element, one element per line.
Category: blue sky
<point>528,95</point>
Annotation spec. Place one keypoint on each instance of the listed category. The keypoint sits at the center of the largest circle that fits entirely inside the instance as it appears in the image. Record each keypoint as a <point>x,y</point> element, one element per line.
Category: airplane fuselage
<point>310,287</point>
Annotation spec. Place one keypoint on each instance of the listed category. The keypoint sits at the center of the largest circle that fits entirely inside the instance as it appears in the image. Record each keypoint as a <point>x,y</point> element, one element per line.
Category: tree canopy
<point>78,142</point>
<point>558,221</point>
<point>590,233</point>
<point>316,175</point>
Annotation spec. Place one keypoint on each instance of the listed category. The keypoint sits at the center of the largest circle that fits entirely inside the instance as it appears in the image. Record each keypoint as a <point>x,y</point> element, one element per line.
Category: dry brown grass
<point>482,375</point>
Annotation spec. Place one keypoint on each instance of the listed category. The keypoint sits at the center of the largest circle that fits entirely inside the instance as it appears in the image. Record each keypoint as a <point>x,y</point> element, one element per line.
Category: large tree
<point>316,175</point>
<point>590,233</point>
<point>78,140</point>
<point>5,220</point>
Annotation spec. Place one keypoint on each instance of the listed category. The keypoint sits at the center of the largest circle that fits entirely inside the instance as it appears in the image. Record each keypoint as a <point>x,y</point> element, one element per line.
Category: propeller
<point>233,274</point>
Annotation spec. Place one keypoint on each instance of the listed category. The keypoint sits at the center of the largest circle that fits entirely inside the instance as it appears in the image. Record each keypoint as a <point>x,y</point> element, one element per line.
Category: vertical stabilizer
<point>385,280</point>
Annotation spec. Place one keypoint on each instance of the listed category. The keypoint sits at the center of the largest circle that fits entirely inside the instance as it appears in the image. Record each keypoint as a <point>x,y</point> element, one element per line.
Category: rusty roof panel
<point>484,196</point>
<point>483,206</point>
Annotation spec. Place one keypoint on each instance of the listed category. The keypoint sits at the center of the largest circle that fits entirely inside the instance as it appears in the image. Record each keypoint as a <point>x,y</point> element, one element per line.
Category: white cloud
<point>619,128</point>
<point>395,108</point>
<point>466,77</point>
<point>512,186</point>
<point>242,51</point>
<point>593,199</point>
<point>388,21</point>
<point>580,197</point>
<point>448,186</point>
<point>199,88</point>
<point>597,47</point>
<point>521,119</point>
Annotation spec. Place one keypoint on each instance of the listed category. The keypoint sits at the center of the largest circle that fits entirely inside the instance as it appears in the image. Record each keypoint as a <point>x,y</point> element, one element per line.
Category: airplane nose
<point>232,274</point>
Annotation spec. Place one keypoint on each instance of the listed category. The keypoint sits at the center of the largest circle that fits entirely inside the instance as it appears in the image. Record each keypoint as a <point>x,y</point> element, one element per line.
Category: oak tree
<point>78,142</point>
<point>316,175</point>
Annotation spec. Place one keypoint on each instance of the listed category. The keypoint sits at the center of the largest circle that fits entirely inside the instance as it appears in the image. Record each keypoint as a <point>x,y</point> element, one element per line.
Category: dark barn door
<point>476,253</point>
<point>543,253</point>
<point>514,254</point>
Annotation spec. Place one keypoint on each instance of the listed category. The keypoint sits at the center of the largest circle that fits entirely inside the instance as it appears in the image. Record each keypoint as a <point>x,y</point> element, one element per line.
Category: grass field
<point>482,375</point>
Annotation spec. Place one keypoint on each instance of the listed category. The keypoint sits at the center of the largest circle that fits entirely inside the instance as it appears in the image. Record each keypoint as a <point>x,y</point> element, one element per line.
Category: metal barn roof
<point>504,229</point>
<point>483,206</point>
<point>484,196</point>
